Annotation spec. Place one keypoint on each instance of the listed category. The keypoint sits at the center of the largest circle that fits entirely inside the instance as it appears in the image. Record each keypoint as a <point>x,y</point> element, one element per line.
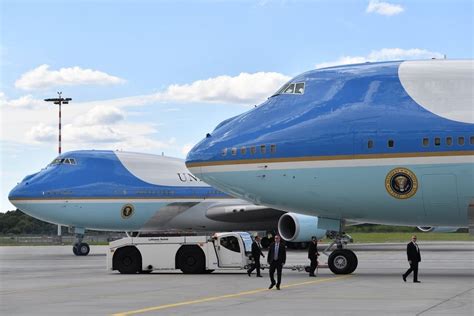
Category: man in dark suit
<point>276,258</point>
<point>313,255</point>
<point>256,253</point>
<point>414,257</point>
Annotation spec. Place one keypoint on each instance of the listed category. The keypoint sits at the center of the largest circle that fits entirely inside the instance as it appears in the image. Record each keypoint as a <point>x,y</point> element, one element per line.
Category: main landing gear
<point>80,248</point>
<point>341,261</point>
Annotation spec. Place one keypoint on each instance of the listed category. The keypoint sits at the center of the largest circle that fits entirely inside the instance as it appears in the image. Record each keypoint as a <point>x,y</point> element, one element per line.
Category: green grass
<point>406,237</point>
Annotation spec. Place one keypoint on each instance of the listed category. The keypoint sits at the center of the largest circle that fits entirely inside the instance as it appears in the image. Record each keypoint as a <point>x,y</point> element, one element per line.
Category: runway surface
<point>50,280</point>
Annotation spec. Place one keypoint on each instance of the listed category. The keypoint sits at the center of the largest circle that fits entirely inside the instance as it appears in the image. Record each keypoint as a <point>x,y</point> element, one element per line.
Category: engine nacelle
<point>437,229</point>
<point>298,228</point>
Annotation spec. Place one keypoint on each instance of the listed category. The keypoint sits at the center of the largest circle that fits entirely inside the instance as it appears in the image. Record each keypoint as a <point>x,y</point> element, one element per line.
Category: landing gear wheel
<point>127,260</point>
<point>191,260</point>
<point>83,249</point>
<point>74,250</point>
<point>342,261</point>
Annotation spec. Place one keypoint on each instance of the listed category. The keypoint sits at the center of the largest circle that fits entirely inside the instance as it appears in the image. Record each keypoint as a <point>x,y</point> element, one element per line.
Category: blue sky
<point>156,76</point>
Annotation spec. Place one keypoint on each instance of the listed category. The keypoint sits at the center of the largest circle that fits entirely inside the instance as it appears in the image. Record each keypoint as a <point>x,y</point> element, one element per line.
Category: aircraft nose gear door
<point>229,251</point>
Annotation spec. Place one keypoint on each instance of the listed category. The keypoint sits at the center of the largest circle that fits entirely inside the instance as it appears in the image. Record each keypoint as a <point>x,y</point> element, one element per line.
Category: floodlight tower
<point>60,100</point>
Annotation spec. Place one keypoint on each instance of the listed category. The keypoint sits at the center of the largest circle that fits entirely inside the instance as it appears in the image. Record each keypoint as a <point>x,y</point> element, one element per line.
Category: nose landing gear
<point>80,248</point>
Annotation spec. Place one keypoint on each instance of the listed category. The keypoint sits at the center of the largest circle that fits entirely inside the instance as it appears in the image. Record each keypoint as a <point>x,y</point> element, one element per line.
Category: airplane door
<point>440,196</point>
<point>230,252</point>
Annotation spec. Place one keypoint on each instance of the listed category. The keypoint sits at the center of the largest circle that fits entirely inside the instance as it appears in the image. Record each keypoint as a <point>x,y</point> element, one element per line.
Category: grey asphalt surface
<point>50,280</point>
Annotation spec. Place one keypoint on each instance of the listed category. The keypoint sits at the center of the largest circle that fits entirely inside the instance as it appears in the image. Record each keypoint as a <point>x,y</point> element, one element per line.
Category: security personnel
<point>414,257</point>
<point>256,253</point>
<point>313,255</point>
<point>276,258</point>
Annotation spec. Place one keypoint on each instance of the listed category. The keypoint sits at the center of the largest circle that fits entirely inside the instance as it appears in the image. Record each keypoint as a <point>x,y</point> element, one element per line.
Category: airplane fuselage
<point>388,143</point>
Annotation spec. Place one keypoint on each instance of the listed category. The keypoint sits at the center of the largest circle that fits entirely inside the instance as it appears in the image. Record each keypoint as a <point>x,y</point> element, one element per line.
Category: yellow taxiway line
<point>221,297</point>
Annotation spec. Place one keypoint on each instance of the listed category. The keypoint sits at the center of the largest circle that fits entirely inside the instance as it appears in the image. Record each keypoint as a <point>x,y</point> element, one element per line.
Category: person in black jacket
<point>414,257</point>
<point>313,255</point>
<point>276,258</point>
<point>256,253</point>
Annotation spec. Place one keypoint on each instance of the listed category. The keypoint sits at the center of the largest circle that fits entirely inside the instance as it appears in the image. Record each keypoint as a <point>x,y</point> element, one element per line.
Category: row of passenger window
<point>448,141</point>
<point>252,150</point>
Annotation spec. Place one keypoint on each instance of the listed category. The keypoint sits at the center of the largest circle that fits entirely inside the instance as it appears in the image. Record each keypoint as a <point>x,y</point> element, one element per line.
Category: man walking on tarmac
<point>256,253</point>
<point>276,258</point>
<point>414,257</point>
<point>313,255</point>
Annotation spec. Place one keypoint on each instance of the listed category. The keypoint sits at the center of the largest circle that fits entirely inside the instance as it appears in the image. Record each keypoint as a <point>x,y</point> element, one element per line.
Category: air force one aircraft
<point>388,143</point>
<point>123,191</point>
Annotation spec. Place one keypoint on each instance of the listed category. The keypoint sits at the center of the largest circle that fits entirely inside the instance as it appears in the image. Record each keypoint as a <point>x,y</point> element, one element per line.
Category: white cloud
<point>42,133</point>
<point>26,101</point>
<point>384,8</point>
<point>385,54</point>
<point>242,89</point>
<point>43,78</point>
<point>102,115</point>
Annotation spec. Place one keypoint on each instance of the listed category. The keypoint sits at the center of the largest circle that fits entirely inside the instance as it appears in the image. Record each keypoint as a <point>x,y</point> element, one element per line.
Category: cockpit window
<point>291,88</point>
<point>299,88</point>
<point>66,161</point>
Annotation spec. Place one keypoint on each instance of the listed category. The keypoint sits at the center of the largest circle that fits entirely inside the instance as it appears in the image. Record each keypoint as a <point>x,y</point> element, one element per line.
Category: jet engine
<point>299,228</point>
<point>437,229</point>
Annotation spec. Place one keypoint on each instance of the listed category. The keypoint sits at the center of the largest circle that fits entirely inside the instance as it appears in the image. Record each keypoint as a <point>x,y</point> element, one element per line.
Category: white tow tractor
<point>190,254</point>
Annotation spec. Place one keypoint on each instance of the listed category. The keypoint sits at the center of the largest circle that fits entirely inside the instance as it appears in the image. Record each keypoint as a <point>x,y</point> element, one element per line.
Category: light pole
<point>59,101</point>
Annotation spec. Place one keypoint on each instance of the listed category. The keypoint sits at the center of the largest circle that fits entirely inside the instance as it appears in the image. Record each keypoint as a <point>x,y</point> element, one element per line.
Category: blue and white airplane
<point>123,191</point>
<point>387,143</point>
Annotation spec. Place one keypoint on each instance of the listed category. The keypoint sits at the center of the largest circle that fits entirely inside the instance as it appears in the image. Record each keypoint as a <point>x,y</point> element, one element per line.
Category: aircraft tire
<point>191,260</point>
<point>127,260</point>
<point>342,261</point>
<point>83,249</point>
<point>74,250</point>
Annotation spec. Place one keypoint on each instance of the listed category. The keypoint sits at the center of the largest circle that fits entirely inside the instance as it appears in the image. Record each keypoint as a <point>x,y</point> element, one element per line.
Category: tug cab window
<point>230,243</point>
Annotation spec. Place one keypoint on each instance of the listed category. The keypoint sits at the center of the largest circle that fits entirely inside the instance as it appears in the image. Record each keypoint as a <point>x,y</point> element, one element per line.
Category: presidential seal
<point>401,183</point>
<point>127,211</point>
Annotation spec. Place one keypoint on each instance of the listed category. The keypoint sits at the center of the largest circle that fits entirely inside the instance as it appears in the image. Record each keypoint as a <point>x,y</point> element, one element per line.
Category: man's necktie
<point>275,257</point>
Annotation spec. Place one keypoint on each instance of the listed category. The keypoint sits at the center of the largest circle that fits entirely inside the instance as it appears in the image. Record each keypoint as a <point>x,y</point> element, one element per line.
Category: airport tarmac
<point>50,280</point>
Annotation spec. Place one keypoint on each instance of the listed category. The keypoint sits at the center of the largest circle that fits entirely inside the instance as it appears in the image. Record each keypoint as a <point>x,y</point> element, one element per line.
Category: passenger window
<point>299,88</point>
<point>390,143</point>
<point>243,150</point>
<point>253,150</point>
<point>273,149</point>
<point>426,142</point>
<point>224,151</point>
<point>461,141</point>
<point>263,149</point>
<point>231,243</point>
<point>290,89</point>
<point>471,140</point>
<point>234,151</point>
<point>449,141</point>
<point>437,141</point>
<point>370,144</point>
